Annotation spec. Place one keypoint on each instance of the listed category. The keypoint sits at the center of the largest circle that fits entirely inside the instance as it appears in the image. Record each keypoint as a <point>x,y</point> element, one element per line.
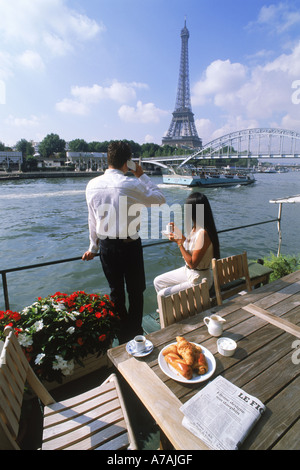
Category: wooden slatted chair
<point>176,306</point>
<point>96,419</point>
<point>231,276</point>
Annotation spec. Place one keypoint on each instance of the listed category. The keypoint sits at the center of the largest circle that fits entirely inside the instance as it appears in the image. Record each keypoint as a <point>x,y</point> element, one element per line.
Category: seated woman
<point>198,249</point>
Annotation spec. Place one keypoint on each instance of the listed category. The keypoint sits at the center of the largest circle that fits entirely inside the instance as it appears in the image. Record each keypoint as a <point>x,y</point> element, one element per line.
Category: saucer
<point>131,349</point>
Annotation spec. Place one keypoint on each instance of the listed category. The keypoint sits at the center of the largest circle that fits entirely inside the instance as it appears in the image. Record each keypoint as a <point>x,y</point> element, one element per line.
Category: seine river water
<point>46,220</point>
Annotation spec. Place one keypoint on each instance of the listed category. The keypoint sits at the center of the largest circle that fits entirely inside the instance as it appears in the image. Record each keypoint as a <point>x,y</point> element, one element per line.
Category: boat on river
<point>209,179</point>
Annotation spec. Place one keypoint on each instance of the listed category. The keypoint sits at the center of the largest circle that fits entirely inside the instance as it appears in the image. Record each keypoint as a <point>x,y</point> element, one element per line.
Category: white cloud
<point>221,78</point>
<point>69,106</point>
<point>117,91</point>
<point>57,45</point>
<point>47,25</point>
<point>85,96</point>
<point>31,60</point>
<point>149,139</point>
<point>205,129</point>
<point>142,113</point>
<point>257,95</point>
<point>13,121</point>
<point>278,17</point>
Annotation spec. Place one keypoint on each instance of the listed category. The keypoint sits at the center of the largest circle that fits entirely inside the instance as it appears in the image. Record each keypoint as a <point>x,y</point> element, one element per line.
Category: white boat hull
<point>208,181</point>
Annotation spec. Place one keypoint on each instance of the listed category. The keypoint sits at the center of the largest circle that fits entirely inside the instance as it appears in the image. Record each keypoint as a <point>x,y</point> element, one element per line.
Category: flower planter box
<point>56,330</point>
<point>91,364</point>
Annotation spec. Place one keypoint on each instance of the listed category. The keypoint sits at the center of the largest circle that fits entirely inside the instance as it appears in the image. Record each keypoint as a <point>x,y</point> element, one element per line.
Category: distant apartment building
<point>10,161</point>
<point>89,161</point>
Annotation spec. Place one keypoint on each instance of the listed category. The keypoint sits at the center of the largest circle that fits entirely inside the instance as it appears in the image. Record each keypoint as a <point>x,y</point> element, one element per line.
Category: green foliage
<point>78,145</point>
<point>282,265</point>
<point>51,144</point>
<point>25,147</point>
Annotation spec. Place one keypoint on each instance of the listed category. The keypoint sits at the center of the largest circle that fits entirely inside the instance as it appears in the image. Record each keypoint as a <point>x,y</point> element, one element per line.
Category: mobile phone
<point>131,165</point>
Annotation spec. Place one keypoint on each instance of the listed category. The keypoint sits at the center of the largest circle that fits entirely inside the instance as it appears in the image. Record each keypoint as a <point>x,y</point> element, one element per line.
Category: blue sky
<point>108,69</point>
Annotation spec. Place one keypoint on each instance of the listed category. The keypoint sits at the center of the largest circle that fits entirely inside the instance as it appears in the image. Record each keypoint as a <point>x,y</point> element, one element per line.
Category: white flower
<point>39,358</point>
<point>59,306</point>
<point>66,367</point>
<point>75,313</point>
<point>68,370</point>
<point>71,330</point>
<point>38,325</point>
<point>25,340</point>
<point>70,315</point>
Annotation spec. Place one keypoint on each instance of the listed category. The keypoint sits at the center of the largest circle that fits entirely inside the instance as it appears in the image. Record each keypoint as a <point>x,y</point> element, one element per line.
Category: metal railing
<point>4,272</point>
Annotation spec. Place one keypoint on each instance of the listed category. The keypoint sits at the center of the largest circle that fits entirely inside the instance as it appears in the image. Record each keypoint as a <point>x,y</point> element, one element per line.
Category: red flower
<point>102,338</point>
<point>79,323</point>
<point>98,314</point>
<point>80,341</point>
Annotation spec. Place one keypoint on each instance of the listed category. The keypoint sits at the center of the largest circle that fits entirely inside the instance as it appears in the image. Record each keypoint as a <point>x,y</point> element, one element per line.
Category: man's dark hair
<point>118,154</point>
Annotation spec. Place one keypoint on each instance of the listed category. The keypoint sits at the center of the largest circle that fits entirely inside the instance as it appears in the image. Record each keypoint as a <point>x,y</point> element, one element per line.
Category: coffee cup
<point>139,343</point>
<point>169,228</point>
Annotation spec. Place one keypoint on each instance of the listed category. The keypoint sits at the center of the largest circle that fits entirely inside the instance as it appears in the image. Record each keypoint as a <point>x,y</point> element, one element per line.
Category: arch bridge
<point>247,143</point>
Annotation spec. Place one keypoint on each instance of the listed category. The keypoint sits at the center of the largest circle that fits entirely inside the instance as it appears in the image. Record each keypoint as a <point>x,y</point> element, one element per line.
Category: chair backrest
<point>231,275</point>
<point>176,306</point>
<point>14,372</point>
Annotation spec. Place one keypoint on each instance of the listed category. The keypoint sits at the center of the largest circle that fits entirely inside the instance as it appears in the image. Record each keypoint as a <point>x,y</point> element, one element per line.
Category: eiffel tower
<point>182,131</point>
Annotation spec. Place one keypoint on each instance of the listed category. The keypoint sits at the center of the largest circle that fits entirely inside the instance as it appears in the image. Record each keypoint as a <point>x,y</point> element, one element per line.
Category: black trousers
<point>123,264</point>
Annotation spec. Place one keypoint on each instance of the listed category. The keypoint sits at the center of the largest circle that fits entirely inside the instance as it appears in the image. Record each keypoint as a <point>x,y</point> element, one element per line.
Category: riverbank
<point>48,174</point>
<point>57,174</point>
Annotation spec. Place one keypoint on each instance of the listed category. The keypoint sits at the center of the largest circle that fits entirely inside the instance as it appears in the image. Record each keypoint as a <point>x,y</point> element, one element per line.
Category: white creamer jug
<point>214,324</point>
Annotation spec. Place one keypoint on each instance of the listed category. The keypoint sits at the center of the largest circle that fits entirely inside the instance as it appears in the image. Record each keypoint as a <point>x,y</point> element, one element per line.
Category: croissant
<point>170,349</point>
<point>179,365</point>
<point>200,364</point>
<point>185,350</point>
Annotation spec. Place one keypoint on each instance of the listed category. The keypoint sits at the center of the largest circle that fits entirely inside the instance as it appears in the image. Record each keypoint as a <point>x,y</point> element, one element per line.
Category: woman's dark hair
<point>118,153</point>
<point>209,224</point>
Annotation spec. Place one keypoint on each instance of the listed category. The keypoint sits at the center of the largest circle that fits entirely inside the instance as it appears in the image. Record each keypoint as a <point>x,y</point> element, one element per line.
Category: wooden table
<point>266,364</point>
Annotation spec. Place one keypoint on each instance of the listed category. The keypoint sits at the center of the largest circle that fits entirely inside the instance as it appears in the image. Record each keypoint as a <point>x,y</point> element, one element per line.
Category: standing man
<point>110,198</point>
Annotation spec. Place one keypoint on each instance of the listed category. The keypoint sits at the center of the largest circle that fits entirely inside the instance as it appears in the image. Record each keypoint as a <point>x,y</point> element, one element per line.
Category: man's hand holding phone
<point>135,168</point>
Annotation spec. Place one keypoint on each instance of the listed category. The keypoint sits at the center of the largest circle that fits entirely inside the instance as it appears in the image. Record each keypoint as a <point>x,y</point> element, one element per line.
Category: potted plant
<point>58,332</point>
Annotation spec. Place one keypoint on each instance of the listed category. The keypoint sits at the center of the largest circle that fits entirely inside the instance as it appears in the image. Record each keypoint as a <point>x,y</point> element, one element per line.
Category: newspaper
<point>222,414</point>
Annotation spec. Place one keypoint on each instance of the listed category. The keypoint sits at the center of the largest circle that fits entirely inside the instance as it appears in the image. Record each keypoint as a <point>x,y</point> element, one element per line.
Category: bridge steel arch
<point>251,143</point>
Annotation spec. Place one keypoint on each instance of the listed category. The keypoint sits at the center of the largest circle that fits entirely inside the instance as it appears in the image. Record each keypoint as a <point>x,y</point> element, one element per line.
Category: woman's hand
<point>176,235</point>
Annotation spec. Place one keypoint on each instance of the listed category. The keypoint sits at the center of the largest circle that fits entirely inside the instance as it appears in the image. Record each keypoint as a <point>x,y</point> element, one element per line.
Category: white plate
<point>173,374</point>
<point>130,348</point>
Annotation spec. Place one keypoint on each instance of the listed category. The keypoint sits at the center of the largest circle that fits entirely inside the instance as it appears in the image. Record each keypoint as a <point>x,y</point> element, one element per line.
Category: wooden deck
<point>262,366</point>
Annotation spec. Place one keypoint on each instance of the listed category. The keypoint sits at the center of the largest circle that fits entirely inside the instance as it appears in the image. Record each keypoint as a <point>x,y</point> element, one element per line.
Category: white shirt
<point>114,200</point>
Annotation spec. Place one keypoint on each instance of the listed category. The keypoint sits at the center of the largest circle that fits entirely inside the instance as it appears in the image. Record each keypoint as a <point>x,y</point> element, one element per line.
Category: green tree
<point>51,144</point>
<point>25,147</point>
<point>78,145</point>
<point>3,147</point>
<point>30,164</point>
<point>100,147</point>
